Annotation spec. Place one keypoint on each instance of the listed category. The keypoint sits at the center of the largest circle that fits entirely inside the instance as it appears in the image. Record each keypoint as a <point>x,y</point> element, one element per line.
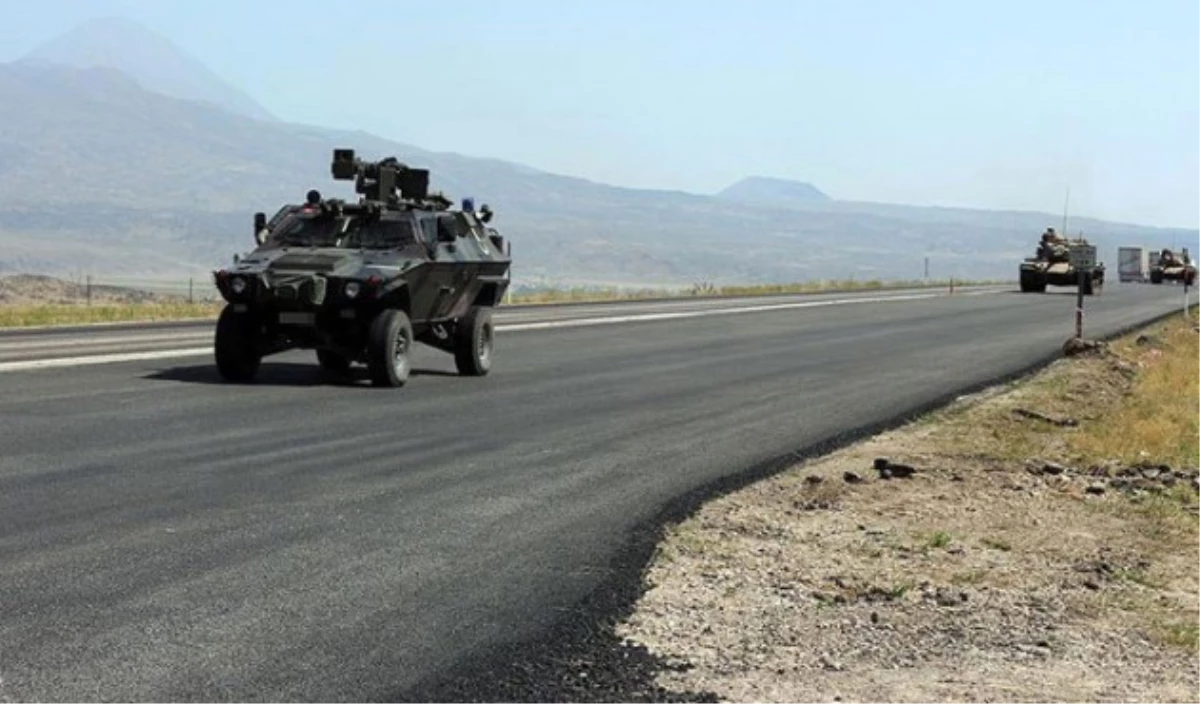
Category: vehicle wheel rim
<point>400,355</point>
<point>485,343</point>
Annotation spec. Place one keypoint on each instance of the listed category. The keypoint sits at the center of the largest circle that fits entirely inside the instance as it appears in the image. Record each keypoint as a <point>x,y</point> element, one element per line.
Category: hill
<point>762,190</point>
<point>104,175</point>
<point>151,59</point>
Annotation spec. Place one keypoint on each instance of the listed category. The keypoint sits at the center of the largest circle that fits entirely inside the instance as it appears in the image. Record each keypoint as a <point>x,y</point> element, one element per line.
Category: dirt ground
<point>1038,542</point>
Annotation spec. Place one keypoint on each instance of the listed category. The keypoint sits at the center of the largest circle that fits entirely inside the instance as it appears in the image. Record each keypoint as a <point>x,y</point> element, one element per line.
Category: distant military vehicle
<point>362,282</point>
<point>1055,265</point>
<point>1173,267</point>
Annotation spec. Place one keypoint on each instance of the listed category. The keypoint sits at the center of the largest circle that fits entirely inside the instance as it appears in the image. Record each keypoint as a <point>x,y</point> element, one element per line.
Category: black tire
<point>1156,277</point>
<point>474,339</point>
<point>389,349</point>
<point>333,362</point>
<point>237,346</point>
<point>1088,286</point>
<point>1031,282</point>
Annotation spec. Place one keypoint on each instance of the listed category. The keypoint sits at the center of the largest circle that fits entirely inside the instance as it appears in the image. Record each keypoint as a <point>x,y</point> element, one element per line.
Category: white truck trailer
<point>1133,264</point>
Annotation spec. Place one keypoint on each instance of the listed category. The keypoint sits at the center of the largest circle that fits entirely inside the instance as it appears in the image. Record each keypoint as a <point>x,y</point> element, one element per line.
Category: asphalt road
<point>165,537</point>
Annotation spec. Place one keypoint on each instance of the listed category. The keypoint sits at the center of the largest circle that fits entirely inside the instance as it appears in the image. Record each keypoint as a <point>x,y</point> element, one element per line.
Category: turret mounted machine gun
<point>388,181</point>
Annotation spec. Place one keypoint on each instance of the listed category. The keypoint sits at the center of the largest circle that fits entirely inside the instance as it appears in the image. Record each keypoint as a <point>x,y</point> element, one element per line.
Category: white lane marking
<point>609,320</point>
<point>516,327</point>
<point>102,359</point>
<point>99,340</point>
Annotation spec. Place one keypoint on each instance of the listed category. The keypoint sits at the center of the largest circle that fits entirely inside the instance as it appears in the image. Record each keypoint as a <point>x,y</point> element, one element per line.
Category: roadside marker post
<point>1083,258</point>
<point>1185,295</point>
<point>1079,306</point>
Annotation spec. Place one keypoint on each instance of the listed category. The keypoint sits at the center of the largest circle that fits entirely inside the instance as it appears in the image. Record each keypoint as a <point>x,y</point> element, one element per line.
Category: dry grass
<point>1160,420</point>
<point>982,577</point>
<point>81,314</point>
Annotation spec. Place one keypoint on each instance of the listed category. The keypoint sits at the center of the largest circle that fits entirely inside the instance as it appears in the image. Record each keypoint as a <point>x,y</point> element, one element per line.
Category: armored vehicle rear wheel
<point>389,348</point>
<point>1156,277</point>
<point>236,345</point>
<point>473,342</point>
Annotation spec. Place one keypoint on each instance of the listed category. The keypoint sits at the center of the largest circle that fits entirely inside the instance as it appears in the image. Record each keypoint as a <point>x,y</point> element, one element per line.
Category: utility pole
<point>926,269</point>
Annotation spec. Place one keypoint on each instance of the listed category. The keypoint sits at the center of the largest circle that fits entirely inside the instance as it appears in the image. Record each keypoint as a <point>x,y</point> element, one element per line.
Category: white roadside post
<point>1083,258</point>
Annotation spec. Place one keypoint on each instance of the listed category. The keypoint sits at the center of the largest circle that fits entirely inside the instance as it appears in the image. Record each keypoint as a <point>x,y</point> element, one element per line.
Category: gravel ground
<point>954,576</point>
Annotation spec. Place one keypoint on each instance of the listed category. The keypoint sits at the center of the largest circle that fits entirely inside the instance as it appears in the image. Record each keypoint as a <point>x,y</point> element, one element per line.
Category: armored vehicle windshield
<point>390,230</point>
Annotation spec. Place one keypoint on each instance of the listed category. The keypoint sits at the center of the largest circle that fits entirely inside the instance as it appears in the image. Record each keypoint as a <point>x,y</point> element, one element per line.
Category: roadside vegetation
<point>83,314</point>
<point>39,301</point>
<point>1038,541</point>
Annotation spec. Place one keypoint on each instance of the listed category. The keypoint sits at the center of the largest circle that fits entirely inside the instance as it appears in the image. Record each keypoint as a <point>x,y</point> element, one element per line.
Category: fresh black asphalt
<point>164,536</point>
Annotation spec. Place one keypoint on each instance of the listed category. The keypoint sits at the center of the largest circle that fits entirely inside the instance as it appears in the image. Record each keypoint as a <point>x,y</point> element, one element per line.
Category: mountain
<point>151,59</point>
<point>762,190</point>
<point>101,174</point>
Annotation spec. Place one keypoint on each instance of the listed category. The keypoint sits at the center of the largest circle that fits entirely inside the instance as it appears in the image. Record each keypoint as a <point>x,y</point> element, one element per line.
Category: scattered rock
<point>890,470</point>
<point>947,597</point>
<point>1053,468</point>
<point>1148,340</point>
<point>813,479</point>
<point>830,664</point>
<point>1077,346</point>
<point>1036,415</point>
<point>1095,489</point>
<point>851,478</point>
<point>817,504</point>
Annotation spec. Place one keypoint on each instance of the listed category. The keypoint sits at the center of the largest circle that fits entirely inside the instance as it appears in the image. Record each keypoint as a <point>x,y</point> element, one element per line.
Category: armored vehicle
<point>1057,263</point>
<point>1173,267</point>
<point>361,282</point>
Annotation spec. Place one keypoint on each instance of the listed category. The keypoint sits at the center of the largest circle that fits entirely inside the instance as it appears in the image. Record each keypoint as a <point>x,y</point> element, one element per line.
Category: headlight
<point>352,289</point>
<point>237,284</point>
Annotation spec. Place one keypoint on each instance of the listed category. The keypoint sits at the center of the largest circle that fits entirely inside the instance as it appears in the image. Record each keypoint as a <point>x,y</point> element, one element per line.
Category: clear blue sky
<point>971,102</point>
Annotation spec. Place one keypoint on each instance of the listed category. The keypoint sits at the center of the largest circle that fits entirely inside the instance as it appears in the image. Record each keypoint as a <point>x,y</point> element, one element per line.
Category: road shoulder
<point>1037,541</point>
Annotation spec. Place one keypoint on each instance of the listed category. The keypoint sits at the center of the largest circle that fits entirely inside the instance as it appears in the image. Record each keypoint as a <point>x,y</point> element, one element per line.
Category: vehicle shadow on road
<point>1064,291</point>
<point>280,374</point>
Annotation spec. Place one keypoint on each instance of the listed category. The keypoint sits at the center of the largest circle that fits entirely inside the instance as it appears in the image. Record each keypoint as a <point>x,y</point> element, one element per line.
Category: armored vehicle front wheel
<point>1032,283</point>
<point>389,348</point>
<point>236,345</point>
<point>473,342</point>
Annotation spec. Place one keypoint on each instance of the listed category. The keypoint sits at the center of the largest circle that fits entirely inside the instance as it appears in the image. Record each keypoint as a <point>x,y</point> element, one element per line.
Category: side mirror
<point>260,227</point>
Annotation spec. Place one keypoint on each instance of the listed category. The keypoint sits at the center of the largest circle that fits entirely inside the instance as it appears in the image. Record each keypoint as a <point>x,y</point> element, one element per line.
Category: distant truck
<point>1133,264</point>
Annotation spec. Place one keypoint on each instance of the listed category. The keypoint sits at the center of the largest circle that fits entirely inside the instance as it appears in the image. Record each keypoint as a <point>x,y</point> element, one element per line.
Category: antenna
<point>1065,203</point>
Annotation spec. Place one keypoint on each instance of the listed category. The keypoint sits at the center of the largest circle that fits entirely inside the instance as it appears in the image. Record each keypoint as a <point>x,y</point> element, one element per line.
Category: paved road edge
<point>547,667</point>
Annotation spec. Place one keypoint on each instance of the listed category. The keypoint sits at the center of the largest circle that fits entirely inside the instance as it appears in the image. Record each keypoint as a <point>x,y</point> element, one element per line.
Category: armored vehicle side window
<point>429,229</point>
<point>447,226</point>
